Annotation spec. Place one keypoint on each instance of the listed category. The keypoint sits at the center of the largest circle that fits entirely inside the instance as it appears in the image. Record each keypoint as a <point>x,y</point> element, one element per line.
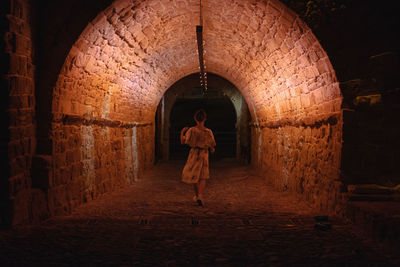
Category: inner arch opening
<point>228,117</point>
<point>221,118</point>
<point>106,96</point>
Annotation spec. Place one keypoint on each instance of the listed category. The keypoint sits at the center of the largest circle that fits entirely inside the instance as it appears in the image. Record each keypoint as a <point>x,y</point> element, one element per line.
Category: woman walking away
<point>196,170</point>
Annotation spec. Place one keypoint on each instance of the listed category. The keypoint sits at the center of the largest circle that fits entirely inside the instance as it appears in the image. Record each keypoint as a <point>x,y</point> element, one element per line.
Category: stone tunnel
<point>86,123</point>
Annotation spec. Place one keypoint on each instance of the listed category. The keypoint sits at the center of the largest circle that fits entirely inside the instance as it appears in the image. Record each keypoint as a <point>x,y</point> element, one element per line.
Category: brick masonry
<point>91,158</point>
<point>21,112</point>
<point>131,53</point>
<point>302,159</point>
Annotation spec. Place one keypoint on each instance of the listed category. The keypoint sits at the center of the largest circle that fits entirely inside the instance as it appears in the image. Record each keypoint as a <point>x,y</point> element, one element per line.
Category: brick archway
<point>115,74</point>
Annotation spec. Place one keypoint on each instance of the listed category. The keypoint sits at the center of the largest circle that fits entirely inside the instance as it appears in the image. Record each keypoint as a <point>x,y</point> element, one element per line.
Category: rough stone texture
<point>245,222</point>
<point>365,52</point>
<point>281,70</point>
<point>132,52</point>
<point>91,159</point>
<point>26,204</point>
<point>302,159</point>
<point>4,133</point>
<point>106,95</point>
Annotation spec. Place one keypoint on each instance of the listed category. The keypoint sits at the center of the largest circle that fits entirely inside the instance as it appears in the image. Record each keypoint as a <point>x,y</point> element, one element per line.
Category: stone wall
<point>304,159</point>
<point>371,125</point>
<point>114,75</point>
<point>4,133</point>
<point>366,59</point>
<point>130,54</point>
<point>26,204</point>
<point>58,25</point>
<point>102,127</point>
<point>92,157</point>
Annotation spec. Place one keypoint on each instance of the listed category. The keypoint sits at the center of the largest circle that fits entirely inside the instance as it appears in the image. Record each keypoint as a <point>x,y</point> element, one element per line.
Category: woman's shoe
<point>200,201</point>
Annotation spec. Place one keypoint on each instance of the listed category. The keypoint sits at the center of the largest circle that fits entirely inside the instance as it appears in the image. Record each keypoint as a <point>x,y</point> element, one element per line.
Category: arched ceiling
<point>126,59</point>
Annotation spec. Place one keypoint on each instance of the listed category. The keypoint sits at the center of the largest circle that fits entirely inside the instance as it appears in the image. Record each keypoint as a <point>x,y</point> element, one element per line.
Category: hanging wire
<point>201,15</point>
<point>200,53</point>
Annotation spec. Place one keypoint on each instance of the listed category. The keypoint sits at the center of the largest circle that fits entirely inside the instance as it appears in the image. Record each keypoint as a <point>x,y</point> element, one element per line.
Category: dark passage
<point>221,119</point>
<point>227,116</point>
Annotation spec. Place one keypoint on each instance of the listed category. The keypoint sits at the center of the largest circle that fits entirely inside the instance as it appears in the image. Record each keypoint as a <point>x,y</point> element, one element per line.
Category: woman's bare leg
<point>201,187</point>
<point>196,190</point>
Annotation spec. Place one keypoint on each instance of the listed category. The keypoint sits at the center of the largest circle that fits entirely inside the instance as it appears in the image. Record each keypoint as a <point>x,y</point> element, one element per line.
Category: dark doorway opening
<point>221,119</point>
<point>227,116</point>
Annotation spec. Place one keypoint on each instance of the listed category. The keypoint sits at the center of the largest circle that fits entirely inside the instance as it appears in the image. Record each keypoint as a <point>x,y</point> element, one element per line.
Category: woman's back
<point>199,137</point>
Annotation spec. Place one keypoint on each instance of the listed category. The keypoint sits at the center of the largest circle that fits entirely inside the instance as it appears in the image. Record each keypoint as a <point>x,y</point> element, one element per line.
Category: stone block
<point>17,182</point>
<point>60,160</point>
<point>38,206</point>
<point>138,80</point>
<point>19,102</point>
<point>42,171</point>
<point>21,117</point>
<point>15,149</point>
<point>18,85</point>
<point>18,64</point>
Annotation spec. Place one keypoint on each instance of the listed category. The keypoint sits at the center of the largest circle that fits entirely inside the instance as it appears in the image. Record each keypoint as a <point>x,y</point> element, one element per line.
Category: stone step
<point>372,189</point>
<point>378,219</point>
<point>375,197</point>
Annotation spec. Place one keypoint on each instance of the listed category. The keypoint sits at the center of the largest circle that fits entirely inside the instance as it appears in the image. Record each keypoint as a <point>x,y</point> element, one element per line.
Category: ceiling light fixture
<point>200,48</point>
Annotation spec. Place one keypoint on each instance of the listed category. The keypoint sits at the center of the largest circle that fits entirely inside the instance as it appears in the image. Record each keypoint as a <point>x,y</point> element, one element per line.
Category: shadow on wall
<point>4,132</point>
<point>371,124</point>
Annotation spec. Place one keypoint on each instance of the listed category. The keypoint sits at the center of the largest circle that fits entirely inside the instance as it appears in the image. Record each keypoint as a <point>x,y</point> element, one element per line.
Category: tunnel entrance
<point>221,119</point>
<point>98,119</point>
<point>227,116</point>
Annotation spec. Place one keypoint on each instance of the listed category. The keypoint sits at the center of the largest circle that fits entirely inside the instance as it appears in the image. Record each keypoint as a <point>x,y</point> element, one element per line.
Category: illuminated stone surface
<point>155,222</point>
<point>101,133</point>
<point>131,53</point>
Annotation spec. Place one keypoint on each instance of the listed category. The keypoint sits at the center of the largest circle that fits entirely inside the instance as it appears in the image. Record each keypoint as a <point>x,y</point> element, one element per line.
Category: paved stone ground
<point>156,223</point>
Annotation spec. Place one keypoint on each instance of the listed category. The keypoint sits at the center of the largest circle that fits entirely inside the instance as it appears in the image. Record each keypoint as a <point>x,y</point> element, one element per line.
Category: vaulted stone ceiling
<point>134,51</point>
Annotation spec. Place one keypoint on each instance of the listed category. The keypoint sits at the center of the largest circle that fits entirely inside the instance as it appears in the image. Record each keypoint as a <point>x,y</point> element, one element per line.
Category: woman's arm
<point>183,131</point>
<point>212,142</point>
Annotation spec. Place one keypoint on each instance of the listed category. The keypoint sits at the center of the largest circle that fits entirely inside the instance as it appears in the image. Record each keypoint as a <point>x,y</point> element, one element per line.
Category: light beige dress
<point>196,168</point>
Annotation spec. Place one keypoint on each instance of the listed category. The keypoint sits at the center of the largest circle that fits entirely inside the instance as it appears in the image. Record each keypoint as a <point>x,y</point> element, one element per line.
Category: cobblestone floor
<point>156,223</point>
